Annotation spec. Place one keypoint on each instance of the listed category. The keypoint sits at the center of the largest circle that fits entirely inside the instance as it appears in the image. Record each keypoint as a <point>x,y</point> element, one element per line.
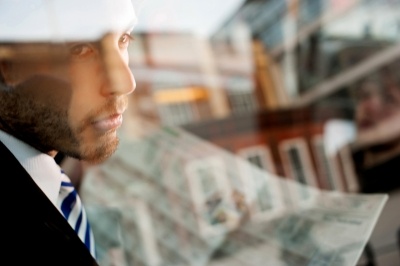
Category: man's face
<point>72,104</point>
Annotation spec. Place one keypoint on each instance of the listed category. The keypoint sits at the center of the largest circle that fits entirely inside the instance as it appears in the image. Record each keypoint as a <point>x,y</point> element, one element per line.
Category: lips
<point>109,123</point>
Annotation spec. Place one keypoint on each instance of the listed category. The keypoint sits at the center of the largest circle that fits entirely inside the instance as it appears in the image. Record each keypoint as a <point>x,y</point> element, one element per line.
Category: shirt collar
<point>41,167</point>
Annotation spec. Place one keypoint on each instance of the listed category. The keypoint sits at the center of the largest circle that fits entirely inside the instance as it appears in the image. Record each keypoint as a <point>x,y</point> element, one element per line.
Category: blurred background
<point>304,89</point>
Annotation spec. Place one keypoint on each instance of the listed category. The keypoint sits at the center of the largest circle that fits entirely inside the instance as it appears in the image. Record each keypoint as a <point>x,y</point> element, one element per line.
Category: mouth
<point>109,123</point>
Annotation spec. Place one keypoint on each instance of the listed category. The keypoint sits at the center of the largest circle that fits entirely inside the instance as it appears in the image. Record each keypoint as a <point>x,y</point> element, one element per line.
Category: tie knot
<point>66,184</point>
<point>65,181</point>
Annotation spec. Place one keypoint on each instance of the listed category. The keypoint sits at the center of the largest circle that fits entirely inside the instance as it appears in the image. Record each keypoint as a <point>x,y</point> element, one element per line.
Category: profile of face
<point>376,101</point>
<point>68,97</point>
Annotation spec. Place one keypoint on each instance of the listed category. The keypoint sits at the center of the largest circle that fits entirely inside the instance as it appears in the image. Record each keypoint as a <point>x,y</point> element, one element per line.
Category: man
<point>64,81</point>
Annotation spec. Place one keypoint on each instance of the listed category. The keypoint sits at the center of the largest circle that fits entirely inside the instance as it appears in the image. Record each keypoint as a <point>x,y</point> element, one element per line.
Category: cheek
<point>86,76</point>
<point>24,71</point>
<point>79,107</point>
<point>47,90</point>
<point>86,81</point>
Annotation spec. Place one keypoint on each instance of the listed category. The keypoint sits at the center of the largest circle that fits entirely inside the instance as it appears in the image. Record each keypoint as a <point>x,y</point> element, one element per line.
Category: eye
<point>125,40</point>
<point>81,50</point>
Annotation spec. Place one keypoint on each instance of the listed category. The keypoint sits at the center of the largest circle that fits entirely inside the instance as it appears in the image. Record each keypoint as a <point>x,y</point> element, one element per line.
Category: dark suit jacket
<point>33,231</point>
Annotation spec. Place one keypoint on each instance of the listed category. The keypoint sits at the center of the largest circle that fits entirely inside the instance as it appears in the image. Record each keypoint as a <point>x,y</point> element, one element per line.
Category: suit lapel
<point>29,205</point>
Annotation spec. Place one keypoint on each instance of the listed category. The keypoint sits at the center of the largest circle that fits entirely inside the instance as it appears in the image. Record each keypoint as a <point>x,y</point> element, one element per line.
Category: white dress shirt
<point>41,167</point>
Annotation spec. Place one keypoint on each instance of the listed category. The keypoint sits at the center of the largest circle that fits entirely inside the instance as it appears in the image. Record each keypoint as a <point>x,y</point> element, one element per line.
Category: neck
<point>8,130</point>
<point>52,153</point>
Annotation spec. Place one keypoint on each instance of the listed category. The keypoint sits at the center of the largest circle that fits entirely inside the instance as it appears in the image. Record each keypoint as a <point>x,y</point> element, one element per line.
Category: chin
<point>100,151</point>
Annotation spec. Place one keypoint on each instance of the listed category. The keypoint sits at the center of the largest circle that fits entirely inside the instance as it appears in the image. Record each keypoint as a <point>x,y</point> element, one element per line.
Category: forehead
<point>63,20</point>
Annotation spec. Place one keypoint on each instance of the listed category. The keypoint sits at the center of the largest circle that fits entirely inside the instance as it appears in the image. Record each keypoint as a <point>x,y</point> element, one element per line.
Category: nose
<point>116,66</point>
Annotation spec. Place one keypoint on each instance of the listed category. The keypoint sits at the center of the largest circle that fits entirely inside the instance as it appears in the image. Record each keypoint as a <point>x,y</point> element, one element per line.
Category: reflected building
<point>270,81</point>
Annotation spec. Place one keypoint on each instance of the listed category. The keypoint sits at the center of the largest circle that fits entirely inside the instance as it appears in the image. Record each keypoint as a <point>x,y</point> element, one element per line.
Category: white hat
<point>63,20</point>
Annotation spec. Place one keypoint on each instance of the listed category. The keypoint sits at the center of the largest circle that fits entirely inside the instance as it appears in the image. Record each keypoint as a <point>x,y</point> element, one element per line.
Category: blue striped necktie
<point>71,207</point>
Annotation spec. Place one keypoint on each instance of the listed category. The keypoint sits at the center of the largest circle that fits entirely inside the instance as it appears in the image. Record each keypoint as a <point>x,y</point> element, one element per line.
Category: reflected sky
<point>201,17</point>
